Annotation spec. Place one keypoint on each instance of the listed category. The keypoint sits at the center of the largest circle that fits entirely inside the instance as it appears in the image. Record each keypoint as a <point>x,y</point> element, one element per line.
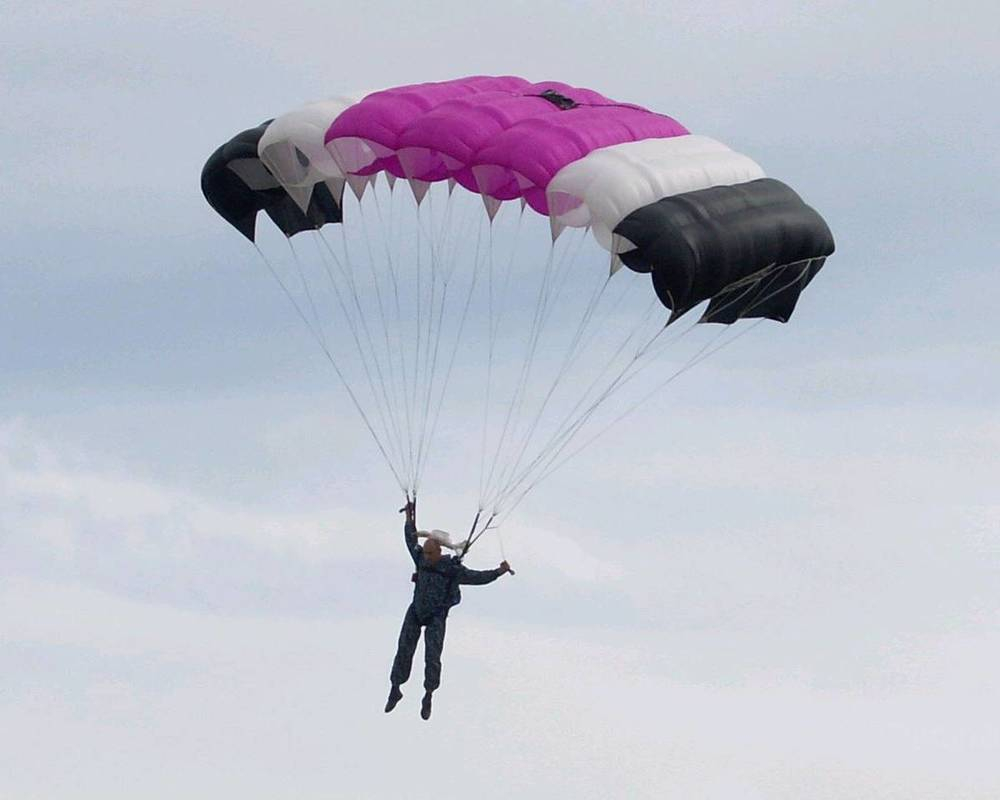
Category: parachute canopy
<point>701,220</point>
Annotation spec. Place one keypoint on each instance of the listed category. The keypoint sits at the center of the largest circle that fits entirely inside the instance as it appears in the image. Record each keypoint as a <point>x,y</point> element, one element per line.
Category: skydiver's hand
<point>505,567</point>
<point>411,510</point>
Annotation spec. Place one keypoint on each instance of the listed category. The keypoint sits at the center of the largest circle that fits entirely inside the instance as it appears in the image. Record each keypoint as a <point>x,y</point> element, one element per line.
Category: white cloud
<point>71,506</point>
<point>255,705</point>
<point>57,494</point>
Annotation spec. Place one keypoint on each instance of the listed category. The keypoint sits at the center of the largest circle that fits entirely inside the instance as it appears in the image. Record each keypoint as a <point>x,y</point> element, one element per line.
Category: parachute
<point>397,291</point>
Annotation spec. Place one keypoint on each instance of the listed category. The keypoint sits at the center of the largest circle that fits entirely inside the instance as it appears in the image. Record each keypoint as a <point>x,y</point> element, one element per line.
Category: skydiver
<point>435,591</point>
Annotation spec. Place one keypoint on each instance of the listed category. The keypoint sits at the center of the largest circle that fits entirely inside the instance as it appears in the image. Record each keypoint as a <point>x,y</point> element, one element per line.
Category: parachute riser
<point>473,534</point>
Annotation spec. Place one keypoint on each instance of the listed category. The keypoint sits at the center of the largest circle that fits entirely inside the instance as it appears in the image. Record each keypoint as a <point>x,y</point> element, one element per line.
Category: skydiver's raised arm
<point>410,531</point>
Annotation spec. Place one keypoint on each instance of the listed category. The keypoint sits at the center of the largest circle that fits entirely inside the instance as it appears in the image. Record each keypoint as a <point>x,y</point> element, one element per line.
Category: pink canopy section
<point>503,137</point>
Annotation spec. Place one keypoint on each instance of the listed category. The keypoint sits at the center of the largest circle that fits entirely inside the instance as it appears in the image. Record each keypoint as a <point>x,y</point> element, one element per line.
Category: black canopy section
<point>750,248</point>
<point>238,185</point>
<point>772,294</point>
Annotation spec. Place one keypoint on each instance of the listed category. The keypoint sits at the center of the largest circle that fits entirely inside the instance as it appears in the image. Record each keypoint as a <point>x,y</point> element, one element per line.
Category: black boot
<point>425,706</point>
<point>394,697</point>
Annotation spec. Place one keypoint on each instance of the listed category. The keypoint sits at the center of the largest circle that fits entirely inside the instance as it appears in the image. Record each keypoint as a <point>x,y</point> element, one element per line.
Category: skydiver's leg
<point>433,645</point>
<point>409,635</point>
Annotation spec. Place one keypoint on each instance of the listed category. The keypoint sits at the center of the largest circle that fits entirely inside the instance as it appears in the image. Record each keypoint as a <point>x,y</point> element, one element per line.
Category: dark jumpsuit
<point>435,592</point>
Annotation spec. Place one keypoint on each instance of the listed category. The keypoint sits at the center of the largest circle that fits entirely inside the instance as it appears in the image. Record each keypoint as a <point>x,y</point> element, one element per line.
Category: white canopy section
<point>292,149</point>
<point>608,184</point>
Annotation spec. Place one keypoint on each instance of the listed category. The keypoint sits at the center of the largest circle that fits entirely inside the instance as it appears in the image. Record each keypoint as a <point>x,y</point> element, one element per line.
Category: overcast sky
<point>780,580</point>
